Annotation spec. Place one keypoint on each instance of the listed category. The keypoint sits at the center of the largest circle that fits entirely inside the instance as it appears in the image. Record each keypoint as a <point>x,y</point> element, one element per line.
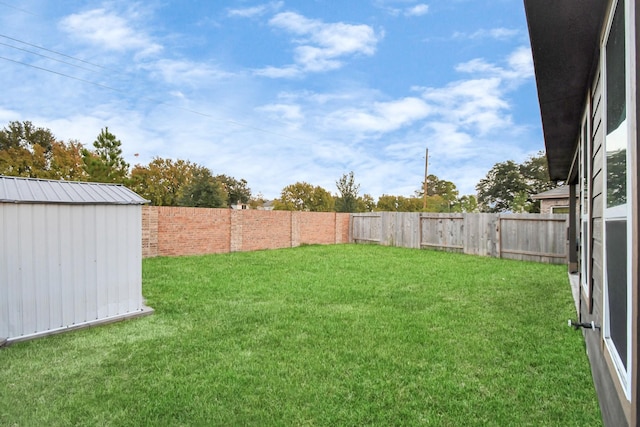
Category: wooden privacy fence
<point>531,237</point>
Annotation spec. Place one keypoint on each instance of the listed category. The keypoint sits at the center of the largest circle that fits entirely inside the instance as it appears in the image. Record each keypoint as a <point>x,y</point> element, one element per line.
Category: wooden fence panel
<point>446,232</point>
<point>480,232</point>
<point>366,228</point>
<point>533,237</point>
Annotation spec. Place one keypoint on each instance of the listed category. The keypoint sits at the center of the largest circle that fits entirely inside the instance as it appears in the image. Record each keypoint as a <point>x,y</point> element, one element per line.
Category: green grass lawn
<point>331,335</point>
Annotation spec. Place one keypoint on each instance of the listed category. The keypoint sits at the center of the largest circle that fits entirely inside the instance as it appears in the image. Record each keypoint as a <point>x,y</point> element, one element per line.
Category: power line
<point>17,8</point>
<point>47,57</point>
<point>233,122</point>
<point>53,51</point>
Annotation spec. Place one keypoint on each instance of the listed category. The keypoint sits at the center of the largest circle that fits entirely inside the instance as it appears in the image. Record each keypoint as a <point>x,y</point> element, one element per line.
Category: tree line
<point>30,151</point>
<point>34,152</point>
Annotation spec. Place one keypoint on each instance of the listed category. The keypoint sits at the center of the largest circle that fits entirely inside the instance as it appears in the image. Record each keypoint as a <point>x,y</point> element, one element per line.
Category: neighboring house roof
<point>30,190</point>
<point>561,192</point>
<point>564,41</point>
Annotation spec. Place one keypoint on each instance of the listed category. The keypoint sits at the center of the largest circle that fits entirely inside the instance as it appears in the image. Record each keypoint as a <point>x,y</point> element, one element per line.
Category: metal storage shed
<point>70,256</point>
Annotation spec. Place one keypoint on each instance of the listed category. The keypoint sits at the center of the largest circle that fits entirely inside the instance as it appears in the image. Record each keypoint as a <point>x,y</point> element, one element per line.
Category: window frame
<point>623,211</point>
<point>585,164</point>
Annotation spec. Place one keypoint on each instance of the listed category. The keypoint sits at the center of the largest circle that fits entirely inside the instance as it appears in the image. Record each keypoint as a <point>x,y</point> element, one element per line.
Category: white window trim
<point>585,211</point>
<point>623,211</point>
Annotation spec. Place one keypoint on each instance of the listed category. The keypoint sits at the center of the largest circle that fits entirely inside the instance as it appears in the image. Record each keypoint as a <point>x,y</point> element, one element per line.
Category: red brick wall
<point>192,231</point>
<point>149,231</point>
<point>265,229</point>
<point>320,229</point>
<point>173,231</point>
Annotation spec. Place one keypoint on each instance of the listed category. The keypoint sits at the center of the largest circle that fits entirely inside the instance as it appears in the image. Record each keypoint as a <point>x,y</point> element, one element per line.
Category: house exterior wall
<point>614,406</point>
<point>67,265</point>
<point>618,408</point>
<point>547,205</point>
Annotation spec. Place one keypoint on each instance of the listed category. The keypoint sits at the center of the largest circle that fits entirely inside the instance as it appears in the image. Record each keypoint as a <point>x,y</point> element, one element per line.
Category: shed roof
<point>564,38</point>
<point>30,190</point>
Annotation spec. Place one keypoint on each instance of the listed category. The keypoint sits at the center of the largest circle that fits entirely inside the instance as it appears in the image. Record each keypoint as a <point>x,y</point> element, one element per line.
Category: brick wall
<point>149,231</point>
<point>173,231</point>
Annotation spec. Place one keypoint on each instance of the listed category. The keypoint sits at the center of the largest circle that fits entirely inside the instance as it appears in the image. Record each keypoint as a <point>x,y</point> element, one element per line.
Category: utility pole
<point>426,166</point>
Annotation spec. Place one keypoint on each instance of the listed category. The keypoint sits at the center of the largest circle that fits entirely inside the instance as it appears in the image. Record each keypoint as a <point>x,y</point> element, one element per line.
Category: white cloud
<point>492,33</point>
<point>250,12</point>
<point>279,72</point>
<point>417,10</point>
<point>288,114</point>
<point>109,31</point>
<point>321,46</point>
<point>476,105</point>
<point>178,72</point>
<point>521,62</point>
<point>380,117</point>
<point>519,66</point>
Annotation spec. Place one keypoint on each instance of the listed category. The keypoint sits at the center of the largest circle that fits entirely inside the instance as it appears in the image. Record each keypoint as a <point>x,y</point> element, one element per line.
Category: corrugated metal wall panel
<point>66,265</point>
<point>4,275</point>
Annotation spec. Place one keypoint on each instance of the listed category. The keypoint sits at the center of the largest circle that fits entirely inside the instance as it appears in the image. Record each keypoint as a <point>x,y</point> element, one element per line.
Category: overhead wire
<point>47,57</point>
<point>103,86</point>
<point>56,52</point>
<point>157,101</point>
<point>17,8</point>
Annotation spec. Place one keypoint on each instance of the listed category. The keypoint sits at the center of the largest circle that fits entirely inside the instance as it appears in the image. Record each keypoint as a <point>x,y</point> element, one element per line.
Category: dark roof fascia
<point>565,39</point>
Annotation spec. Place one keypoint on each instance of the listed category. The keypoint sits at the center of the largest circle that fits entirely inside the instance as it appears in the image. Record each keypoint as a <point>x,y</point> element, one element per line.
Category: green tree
<point>497,190</point>
<point>520,203</point>
<point>366,203</point>
<point>447,191</point>
<point>303,196</point>
<point>347,200</point>
<point>105,163</point>
<point>66,162</point>
<point>506,184</point>
<point>162,181</point>
<point>467,203</point>
<point>390,203</point>
<point>237,191</point>
<point>25,135</point>
<point>203,190</point>
<point>25,150</point>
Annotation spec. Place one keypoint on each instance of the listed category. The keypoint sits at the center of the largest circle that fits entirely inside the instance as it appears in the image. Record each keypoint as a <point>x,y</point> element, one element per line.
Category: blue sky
<point>281,91</point>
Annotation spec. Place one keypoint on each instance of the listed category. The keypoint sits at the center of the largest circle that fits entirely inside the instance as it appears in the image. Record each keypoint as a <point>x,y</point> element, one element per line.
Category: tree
<point>303,196</point>
<point>366,203</point>
<point>237,191</point>
<point>25,135</point>
<point>105,163</point>
<point>66,162</point>
<point>506,183</point>
<point>25,150</point>
<point>466,204</point>
<point>447,191</point>
<point>497,190</point>
<point>347,200</point>
<point>203,191</point>
<point>389,203</point>
<point>257,201</point>
<point>162,181</point>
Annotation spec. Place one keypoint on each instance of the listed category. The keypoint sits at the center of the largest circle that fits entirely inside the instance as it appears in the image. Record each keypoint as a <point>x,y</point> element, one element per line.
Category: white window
<point>619,112</point>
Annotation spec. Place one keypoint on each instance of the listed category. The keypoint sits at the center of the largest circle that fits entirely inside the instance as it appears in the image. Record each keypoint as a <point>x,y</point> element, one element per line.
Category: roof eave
<point>564,39</point>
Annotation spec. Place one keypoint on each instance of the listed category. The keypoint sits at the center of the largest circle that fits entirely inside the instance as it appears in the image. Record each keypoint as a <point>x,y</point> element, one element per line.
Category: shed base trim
<point>144,311</point>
